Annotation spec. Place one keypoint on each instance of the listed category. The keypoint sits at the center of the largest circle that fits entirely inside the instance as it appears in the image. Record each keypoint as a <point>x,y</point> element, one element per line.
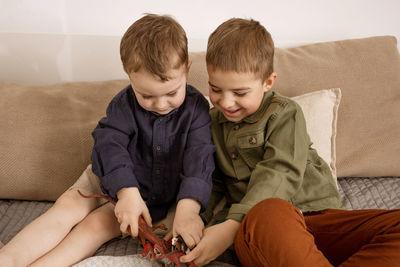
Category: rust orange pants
<point>275,233</point>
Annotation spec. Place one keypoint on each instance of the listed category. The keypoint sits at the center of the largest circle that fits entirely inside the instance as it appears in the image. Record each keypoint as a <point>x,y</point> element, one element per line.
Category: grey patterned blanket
<point>356,193</point>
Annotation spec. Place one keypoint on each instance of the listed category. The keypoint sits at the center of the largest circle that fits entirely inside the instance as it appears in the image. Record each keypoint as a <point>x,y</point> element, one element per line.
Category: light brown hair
<point>241,45</point>
<point>153,43</point>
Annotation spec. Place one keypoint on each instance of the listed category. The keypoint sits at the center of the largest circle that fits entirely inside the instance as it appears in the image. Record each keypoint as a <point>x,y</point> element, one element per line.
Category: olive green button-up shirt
<point>268,155</point>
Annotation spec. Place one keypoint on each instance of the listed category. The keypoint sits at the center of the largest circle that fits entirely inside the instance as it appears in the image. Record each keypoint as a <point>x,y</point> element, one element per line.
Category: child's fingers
<point>147,217</point>
<point>134,227</point>
<point>197,238</point>
<point>117,215</point>
<point>191,256</point>
<point>193,238</point>
<point>189,241</point>
<point>123,227</point>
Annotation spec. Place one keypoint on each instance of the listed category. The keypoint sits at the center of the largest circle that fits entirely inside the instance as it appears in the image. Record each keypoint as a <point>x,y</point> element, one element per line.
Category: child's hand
<point>215,241</point>
<point>129,207</point>
<point>187,222</point>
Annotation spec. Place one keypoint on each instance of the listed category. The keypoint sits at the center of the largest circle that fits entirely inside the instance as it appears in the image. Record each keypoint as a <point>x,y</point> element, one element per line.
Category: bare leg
<point>97,228</point>
<point>46,231</point>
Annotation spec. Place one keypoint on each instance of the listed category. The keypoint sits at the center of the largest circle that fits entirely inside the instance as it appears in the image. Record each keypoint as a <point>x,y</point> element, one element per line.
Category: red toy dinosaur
<point>153,246</point>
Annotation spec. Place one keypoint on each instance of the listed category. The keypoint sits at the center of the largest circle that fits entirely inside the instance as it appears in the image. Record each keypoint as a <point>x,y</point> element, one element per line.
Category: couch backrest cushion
<point>45,139</point>
<point>368,72</point>
<point>45,133</point>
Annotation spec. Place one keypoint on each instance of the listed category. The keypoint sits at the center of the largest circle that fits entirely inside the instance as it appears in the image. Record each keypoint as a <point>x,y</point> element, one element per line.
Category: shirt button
<point>158,148</point>
<point>158,171</point>
<point>236,127</point>
<point>252,140</point>
<point>234,156</point>
<point>160,119</point>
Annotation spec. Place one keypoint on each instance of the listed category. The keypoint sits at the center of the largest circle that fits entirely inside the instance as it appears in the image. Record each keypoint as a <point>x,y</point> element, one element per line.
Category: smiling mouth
<point>231,112</point>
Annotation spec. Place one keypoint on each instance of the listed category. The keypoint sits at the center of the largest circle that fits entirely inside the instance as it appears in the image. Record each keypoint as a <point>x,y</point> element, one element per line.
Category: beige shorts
<point>89,184</point>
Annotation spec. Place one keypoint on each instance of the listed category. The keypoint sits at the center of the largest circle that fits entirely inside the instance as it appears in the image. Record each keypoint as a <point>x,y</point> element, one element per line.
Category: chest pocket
<point>251,148</point>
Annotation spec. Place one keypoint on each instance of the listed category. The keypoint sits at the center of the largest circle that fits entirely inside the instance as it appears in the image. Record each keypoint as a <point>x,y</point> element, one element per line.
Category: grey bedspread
<point>356,193</point>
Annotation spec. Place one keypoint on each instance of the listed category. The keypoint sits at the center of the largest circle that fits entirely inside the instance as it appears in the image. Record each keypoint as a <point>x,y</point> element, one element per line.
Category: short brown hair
<point>241,45</point>
<point>151,43</point>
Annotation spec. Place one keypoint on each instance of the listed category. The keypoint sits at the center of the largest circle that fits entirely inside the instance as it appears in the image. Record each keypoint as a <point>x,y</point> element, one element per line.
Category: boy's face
<point>159,96</point>
<point>237,95</point>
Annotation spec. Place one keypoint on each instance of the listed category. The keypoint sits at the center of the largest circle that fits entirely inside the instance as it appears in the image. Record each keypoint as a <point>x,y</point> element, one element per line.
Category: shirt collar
<point>164,115</point>
<point>256,115</point>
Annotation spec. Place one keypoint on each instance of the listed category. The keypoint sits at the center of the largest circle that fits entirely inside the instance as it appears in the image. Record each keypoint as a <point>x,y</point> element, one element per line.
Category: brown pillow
<point>45,135</point>
<point>368,72</point>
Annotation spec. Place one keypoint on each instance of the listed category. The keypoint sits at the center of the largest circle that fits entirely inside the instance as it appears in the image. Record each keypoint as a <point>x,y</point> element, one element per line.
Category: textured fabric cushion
<point>45,130</point>
<point>198,76</point>
<point>368,72</point>
<point>320,110</point>
<point>45,135</point>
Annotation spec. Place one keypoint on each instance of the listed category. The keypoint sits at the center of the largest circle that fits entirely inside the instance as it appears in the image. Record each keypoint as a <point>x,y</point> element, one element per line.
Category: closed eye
<point>240,94</point>
<point>215,90</point>
<point>171,93</point>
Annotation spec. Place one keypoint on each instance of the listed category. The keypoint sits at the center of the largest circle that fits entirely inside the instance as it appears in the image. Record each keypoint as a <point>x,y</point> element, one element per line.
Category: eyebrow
<point>234,89</point>
<point>173,90</point>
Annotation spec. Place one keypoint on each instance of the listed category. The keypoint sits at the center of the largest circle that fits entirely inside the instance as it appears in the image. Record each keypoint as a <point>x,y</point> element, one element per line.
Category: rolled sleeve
<point>238,211</point>
<point>118,179</point>
<point>195,188</point>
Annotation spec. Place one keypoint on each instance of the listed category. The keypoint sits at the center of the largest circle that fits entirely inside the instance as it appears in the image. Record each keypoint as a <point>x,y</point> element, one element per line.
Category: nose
<point>160,104</point>
<point>227,101</point>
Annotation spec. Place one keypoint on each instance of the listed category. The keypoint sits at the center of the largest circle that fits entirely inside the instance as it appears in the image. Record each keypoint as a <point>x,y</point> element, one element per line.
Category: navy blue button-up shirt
<point>168,157</point>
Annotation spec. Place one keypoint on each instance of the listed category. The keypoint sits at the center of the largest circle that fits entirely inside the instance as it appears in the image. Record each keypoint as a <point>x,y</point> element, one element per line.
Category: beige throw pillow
<point>320,110</point>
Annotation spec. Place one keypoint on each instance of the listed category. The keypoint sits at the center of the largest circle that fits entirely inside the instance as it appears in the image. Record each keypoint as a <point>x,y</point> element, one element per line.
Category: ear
<point>269,82</point>
<point>130,77</point>
<point>188,68</point>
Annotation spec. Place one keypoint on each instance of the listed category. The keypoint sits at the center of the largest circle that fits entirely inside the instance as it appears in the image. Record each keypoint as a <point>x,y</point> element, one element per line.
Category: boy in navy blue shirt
<point>152,150</point>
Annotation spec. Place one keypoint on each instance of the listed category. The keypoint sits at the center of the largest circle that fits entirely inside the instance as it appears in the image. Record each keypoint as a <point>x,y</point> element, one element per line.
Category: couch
<point>349,91</point>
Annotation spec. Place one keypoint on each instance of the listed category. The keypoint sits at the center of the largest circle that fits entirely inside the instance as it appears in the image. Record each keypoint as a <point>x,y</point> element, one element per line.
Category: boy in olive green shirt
<point>283,206</point>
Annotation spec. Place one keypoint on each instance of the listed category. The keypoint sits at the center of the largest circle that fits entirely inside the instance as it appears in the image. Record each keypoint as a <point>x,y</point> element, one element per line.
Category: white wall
<point>47,41</point>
